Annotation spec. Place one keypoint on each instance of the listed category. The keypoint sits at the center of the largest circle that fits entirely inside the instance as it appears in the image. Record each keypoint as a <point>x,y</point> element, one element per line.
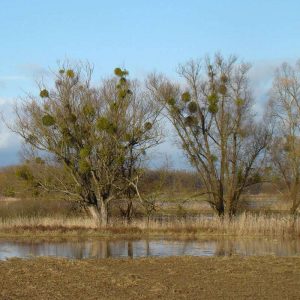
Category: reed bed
<point>245,224</point>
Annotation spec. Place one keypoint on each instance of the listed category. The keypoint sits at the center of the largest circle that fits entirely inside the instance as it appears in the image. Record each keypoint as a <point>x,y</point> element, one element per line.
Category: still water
<point>141,248</point>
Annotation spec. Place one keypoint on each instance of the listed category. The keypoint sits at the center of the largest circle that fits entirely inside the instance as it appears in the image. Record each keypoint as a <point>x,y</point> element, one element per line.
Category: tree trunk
<point>220,208</point>
<point>293,209</point>
<point>129,211</point>
<point>103,213</point>
<point>99,214</point>
<point>295,202</point>
<point>231,212</point>
<point>94,213</point>
<point>231,208</point>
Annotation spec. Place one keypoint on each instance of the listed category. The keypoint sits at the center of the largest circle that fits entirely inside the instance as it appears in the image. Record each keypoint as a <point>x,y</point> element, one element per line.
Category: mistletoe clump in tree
<point>98,135</point>
<point>213,118</point>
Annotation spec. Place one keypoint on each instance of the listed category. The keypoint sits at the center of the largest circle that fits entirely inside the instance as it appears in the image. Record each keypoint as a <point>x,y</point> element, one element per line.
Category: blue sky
<point>142,36</point>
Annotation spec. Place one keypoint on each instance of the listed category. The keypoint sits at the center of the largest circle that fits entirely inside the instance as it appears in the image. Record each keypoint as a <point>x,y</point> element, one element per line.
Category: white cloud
<point>6,101</point>
<point>8,139</point>
<point>12,78</point>
<point>4,80</point>
<point>33,70</point>
<point>261,76</point>
<point>9,142</point>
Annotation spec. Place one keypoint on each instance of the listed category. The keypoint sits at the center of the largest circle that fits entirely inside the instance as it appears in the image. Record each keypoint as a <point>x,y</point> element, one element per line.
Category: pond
<point>100,248</point>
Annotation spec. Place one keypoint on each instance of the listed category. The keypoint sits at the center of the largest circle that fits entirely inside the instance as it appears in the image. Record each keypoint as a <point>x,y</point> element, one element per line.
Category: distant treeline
<point>166,181</point>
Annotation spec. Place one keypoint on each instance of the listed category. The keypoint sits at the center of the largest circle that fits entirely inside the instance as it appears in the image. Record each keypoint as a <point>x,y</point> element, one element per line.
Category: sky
<point>142,36</point>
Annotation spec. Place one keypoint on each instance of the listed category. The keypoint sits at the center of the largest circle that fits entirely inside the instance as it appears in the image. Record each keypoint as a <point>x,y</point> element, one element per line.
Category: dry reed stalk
<point>243,225</point>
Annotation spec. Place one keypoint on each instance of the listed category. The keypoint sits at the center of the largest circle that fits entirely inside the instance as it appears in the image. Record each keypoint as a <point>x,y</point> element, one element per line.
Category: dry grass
<point>48,222</point>
<point>36,207</point>
<point>243,225</point>
<point>151,278</point>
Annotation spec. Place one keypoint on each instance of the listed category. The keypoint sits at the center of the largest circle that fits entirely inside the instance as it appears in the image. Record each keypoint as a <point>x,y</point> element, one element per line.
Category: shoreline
<point>153,235</point>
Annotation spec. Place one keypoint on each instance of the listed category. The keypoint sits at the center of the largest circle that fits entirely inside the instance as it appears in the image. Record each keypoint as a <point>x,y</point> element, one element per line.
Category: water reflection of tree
<point>129,249</point>
<point>225,248</point>
<point>147,248</point>
<point>100,249</point>
<point>186,245</point>
<point>108,248</point>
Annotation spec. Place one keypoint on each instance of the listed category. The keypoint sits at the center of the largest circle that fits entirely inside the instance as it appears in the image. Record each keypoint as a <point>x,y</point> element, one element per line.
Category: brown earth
<point>151,278</point>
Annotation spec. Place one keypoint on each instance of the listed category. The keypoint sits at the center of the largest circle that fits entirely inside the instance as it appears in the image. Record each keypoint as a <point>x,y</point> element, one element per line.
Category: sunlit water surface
<point>99,248</point>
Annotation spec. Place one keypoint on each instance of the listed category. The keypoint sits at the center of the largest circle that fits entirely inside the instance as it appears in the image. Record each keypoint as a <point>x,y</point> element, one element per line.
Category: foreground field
<point>151,278</point>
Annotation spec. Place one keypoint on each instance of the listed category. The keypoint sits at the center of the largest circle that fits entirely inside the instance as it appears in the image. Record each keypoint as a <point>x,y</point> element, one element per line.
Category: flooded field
<point>100,248</point>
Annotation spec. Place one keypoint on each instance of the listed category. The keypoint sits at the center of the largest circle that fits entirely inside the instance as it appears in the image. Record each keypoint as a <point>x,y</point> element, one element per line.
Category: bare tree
<point>93,132</point>
<point>284,111</point>
<point>213,118</point>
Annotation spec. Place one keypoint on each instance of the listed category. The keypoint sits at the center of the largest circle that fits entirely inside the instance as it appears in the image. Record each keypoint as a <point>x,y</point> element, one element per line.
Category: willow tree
<point>213,118</point>
<point>284,110</point>
<point>92,131</point>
